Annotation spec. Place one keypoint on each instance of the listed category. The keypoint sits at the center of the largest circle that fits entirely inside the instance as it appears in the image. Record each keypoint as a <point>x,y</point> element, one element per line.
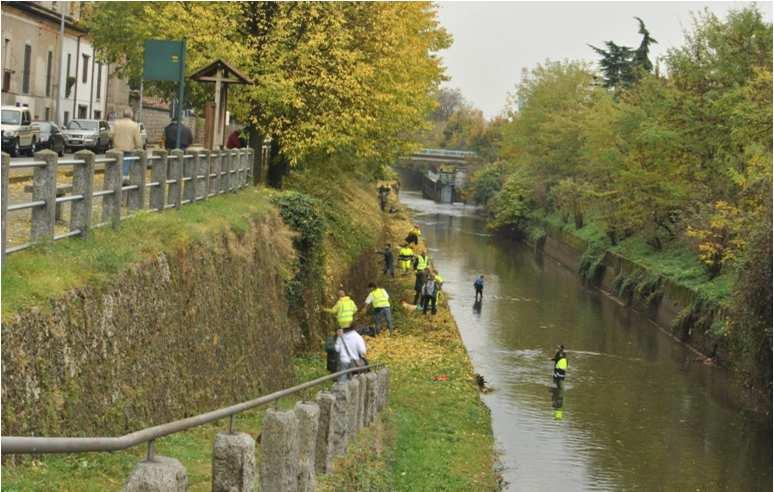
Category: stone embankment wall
<point>568,249</point>
<point>187,331</point>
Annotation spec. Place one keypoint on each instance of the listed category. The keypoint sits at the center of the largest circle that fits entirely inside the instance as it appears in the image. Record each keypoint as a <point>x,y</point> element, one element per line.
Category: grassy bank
<point>675,261</point>
<point>48,270</point>
<point>436,433</point>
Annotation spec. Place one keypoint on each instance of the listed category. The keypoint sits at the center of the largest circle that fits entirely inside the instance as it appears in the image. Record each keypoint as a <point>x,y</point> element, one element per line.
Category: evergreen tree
<point>621,65</point>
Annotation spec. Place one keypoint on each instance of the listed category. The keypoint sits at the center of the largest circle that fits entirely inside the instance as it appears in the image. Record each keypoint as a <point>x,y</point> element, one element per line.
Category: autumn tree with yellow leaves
<point>346,79</point>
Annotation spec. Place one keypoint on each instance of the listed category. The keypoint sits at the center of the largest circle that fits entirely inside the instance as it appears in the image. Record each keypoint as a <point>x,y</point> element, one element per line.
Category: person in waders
<point>560,366</point>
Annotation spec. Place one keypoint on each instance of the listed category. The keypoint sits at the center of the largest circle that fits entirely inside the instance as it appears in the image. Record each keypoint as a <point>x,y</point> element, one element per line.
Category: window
<point>48,114</point>
<point>26,72</point>
<point>6,80</point>
<point>85,68</point>
<point>68,81</point>
<point>99,80</point>
<point>48,75</point>
<point>66,117</point>
<point>82,111</point>
<point>97,115</point>
<point>68,63</point>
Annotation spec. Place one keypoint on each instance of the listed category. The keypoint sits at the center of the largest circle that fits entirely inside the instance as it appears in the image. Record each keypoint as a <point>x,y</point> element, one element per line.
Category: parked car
<point>51,137</point>
<point>18,135</point>
<point>143,134</point>
<point>88,134</point>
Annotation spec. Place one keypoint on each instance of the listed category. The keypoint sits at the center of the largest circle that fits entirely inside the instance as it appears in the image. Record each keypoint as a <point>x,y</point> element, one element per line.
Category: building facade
<point>32,67</point>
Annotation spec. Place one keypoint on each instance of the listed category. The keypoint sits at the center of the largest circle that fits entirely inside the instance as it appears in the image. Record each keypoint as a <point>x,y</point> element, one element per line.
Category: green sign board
<point>163,60</point>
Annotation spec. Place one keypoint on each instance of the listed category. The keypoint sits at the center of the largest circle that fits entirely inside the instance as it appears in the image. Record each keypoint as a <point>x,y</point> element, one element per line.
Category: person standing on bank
<point>420,265</point>
<point>351,349</point>
<point>429,294</point>
<point>380,300</point>
<point>126,138</point>
<point>389,260</point>
<point>479,286</point>
<point>170,136</point>
<point>344,309</point>
<point>405,256</point>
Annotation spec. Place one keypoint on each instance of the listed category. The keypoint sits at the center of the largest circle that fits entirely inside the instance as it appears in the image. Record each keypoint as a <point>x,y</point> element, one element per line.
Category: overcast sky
<point>493,41</point>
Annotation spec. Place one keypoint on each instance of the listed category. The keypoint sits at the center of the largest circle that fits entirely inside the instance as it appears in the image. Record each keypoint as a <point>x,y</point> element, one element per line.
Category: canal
<point>638,412</point>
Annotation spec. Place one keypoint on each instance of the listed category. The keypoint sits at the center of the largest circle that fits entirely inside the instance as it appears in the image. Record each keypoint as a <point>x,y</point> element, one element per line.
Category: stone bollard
<point>324,450</point>
<point>162,474</point>
<point>308,415</point>
<point>384,383</point>
<point>279,443</point>
<point>233,462</point>
<point>362,405</point>
<point>158,175</point>
<point>386,386</point>
<point>44,189</point>
<point>340,418</point>
<point>112,179</point>
<point>371,397</point>
<point>354,407</point>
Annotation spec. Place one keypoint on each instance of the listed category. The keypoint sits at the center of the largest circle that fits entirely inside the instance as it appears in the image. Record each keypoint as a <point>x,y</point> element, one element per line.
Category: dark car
<point>51,137</point>
<point>88,134</point>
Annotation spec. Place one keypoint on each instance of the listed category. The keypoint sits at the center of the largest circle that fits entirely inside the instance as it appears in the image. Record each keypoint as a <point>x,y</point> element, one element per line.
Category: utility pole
<point>60,92</point>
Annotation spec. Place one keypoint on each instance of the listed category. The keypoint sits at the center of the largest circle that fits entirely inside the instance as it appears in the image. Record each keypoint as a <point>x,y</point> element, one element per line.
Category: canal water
<point>638,411</point>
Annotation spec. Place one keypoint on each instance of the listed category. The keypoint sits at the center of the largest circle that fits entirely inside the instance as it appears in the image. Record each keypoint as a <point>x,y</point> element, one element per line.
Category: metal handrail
<point>25,445</point>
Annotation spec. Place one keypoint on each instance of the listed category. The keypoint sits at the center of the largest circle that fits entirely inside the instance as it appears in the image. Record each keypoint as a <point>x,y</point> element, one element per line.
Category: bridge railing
<point>460,154</point>
<point>176,178</point>
<point>304,440</point>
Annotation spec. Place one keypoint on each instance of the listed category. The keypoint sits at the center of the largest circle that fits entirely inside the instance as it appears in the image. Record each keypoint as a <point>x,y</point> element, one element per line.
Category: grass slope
<point>47,270</point>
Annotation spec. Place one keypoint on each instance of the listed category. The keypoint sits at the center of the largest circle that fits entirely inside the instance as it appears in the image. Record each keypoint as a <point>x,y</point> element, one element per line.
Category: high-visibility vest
<point>562,364</point>
<point>380,298</point>
<point>421,262</point>
<point>406,253</point>
<point>438,279</point>
<point>345,311</point>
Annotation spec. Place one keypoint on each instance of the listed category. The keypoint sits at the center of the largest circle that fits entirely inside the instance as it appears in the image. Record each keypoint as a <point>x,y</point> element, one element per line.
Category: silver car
<point>87,134</point>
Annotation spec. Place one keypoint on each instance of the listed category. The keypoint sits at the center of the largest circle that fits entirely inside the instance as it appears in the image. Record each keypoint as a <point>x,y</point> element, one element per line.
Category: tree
<point>330,78</point>
<point>621,65</point>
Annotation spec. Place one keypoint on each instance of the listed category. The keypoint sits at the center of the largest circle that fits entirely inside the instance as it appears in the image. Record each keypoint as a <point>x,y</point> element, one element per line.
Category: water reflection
<point>639,417</point>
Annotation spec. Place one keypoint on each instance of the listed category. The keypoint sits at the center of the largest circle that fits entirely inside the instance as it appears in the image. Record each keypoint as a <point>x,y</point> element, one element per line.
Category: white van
<point>19,136</point>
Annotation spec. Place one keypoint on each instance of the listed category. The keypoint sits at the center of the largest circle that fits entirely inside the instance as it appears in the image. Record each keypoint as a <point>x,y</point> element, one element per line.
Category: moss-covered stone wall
<point>187,331</point>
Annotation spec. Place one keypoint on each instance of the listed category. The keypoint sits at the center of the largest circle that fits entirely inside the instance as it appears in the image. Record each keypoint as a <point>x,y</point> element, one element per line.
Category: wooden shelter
<point>222,74</point>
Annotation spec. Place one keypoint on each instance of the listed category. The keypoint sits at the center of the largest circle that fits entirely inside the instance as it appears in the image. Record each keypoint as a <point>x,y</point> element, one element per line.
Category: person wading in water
<point>560,366</point>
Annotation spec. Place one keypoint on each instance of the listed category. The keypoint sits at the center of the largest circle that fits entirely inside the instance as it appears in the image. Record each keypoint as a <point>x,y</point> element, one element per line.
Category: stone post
<point>340,418</point>
<point>136,198</point>
<point>6,171</point>
<point>354,404</point>
<point>234,171</point>
<point>233,462</point>
<point>113,180</point>
<point>361,418</point>
<point>215,175</point>
<point>176,173</point>
<point>158,175</point>
<point>371,396</point>
<point>160,474</point>
<point>279,442</point>
<point>203,176</point>
<point>223,181</point>
<point>384,375</point>
<point>44,188</point>
<point>83,184</point>
<point>249,163</point>
<point>308,415</point>
<point>324,449</point>
<point>190,165</point>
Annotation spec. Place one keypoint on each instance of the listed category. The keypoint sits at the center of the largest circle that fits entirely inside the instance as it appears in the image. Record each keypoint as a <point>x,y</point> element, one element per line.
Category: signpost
<point>165,60</point>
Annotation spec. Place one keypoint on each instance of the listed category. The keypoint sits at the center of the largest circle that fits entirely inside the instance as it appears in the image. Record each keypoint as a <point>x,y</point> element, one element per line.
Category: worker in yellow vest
<point>438,282</point>
<point>414,235</point>
<point>560,366</point>
<point>380,300</point>
<point>344,309</point>
<point>420,265</point>
<point>405,256</point>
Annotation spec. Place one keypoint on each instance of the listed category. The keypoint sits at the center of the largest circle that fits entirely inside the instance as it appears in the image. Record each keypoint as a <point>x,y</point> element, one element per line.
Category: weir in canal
<point>638,410</point>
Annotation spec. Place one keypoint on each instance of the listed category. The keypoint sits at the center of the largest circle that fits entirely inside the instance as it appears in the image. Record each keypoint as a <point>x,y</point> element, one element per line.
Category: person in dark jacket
<point>389,260</point>
<point>170,136</point>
